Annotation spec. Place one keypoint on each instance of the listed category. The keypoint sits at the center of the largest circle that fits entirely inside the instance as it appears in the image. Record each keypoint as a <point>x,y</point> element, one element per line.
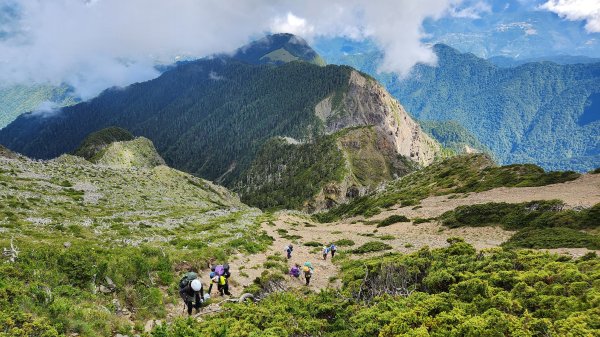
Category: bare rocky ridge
<point>366,102</point>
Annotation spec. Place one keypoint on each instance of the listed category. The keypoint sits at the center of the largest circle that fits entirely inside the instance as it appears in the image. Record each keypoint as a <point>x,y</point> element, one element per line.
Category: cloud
<point>292,24</point>
<point>577,10</point>
<point>45,109</point>
<point>473,11</point>
<point>95,44</point>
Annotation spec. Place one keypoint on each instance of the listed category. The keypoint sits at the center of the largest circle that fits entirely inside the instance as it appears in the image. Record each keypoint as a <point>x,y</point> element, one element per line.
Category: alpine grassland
<point>95,250</point>
<point>459,174</point>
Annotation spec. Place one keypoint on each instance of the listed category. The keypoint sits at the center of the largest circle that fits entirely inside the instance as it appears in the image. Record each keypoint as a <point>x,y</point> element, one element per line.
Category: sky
<point>95,44</point>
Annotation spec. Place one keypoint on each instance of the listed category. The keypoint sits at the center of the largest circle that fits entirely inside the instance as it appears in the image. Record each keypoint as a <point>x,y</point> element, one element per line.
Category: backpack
<point>219,270</point>
<point>307,271</point>
<point>295,272</point>
<point>333,248</point>
<point>187,279</point>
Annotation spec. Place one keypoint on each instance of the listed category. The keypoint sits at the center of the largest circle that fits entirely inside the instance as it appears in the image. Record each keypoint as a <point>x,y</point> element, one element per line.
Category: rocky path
<point>403,237</point>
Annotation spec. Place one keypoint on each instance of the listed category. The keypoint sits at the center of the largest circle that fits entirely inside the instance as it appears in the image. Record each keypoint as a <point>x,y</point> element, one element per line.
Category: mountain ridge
<point>211,117</point>
<point>528,113</point>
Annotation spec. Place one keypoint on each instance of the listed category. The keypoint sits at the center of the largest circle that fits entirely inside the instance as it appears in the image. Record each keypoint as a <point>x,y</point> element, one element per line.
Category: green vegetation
<point>540,112</point>
<point>235,114</point>
<point>344,243</point>
<point>369,160</point>
<point>452,291</point>
<point>97,141</point>
<point>139,152</point>
<point>392,219</point>
<point>372,247</point>
<point>460,174</point>
<point>453,135</point>
<point>544,213</point>
<point>19,99</point>
<point>540,224</point>
<point>286,175</point>
<point>554,237</point>
<point>101,247</point>
<point>278,49</point>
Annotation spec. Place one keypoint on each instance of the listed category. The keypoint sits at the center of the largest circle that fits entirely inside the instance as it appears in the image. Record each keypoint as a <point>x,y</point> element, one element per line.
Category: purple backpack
<point>295,272</point>
<point>220,270</point>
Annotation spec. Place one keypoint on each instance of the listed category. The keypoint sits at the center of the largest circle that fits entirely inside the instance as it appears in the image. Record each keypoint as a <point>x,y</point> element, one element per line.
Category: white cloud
<point>292,24</point>
<point>577,10</point>
<point>96,44</point>
<point>472,12</point>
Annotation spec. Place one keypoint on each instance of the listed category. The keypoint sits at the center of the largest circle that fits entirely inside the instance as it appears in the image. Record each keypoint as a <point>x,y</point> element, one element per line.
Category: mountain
<point>278,49</point>
<point>541,112</point>
<point>509,62</point>
<point>454,136</point>
<point>99,140</point>
<point>212,117</point>
<point>139,152</point>
<point>82,241</point>
<point>18,99</point>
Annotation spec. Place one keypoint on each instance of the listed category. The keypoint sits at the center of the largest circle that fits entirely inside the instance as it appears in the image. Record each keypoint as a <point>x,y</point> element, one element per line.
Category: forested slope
<point>540,112</point>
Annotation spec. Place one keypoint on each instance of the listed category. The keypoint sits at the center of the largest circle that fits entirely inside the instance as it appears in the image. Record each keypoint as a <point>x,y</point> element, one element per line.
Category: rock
<point>116,304</point>
<point>67,244</point>
<point>149,326</point>
<point>105,290</point>
<point>110,283</point>
<point>119,335</point>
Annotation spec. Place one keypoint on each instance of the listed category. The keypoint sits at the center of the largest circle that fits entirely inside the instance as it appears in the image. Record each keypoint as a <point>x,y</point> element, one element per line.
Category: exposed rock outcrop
<point>366,102</point>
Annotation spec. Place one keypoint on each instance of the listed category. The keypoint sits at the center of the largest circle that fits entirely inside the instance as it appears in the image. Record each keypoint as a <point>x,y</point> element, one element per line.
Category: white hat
<point>196,285</point>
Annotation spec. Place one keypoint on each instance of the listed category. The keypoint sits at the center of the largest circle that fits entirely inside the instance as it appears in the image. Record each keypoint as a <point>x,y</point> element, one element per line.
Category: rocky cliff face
<point>366,102</point>
<point>370,139</point>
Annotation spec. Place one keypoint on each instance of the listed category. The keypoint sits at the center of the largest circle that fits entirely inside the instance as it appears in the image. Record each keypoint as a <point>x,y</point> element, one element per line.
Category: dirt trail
<point>294,225</point>
<point>405,237</point>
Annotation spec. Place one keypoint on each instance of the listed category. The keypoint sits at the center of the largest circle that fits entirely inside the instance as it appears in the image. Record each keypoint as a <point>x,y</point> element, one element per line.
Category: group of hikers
<point>191,288</point>
<point>307,269</point>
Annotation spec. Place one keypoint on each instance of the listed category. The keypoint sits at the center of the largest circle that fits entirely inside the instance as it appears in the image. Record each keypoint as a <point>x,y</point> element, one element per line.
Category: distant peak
<point>278,49</point>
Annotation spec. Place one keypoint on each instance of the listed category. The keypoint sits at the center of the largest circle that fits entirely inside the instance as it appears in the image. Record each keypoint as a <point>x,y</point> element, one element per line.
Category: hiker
<point>295,271</point>
<point>332,249</point>
<point>325,252</point>
<point>191,291</point>
<point>288,249</point>
<point>214,279</point>
<point>308,271</point>
<point>223,285</point>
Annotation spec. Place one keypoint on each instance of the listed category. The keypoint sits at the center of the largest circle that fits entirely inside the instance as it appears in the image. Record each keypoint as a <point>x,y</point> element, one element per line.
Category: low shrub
<point>371,247</point>
<point>344,243</point>
<point>553,238</point>
<point>392,219</point>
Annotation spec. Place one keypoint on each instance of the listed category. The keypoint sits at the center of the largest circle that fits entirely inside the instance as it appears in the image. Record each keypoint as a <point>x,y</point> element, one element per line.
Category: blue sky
<point>517,28</point>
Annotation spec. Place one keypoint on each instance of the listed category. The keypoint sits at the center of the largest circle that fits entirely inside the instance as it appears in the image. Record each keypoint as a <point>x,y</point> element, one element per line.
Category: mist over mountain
<point>211,117</point>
